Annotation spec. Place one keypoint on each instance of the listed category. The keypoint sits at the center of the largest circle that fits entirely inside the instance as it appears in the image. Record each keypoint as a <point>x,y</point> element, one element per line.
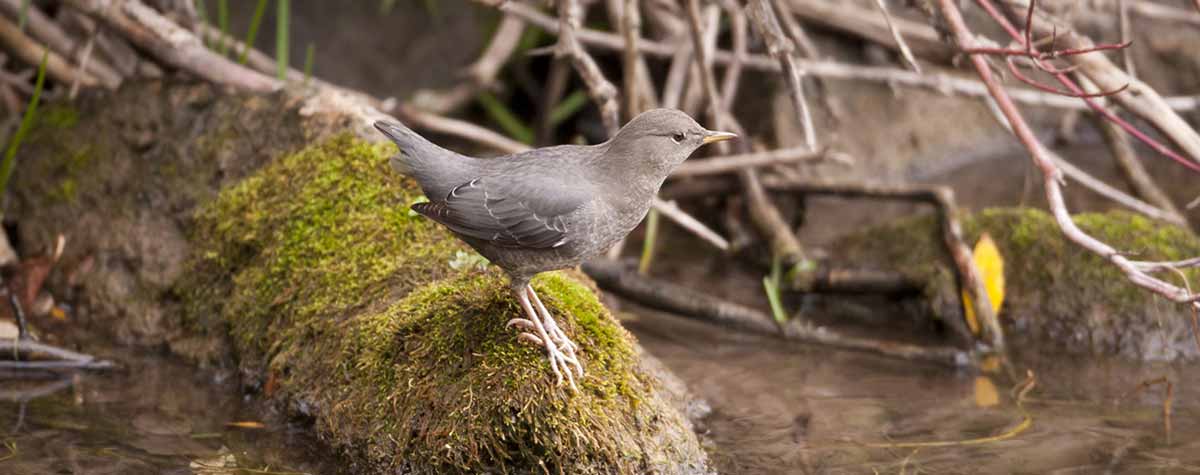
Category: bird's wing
<point>506,214</point>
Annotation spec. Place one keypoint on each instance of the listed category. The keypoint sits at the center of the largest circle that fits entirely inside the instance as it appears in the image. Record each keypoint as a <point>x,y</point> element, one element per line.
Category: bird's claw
<point>522,323</point>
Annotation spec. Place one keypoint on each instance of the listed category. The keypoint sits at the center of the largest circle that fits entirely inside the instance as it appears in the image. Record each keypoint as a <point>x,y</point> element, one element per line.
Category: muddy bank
<point>235,231</point>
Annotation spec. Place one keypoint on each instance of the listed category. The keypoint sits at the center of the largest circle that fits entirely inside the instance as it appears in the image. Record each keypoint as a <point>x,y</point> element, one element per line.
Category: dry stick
<point>30,52</point>
<point>780,47</point>
<point>905,52</point>
<point>1126,36</point>
<point>794,31</point>
<point>52,35</point>
<point>631,30</point>
<point>681,62</point>
<point>1135,172</point>
<point>614,277</point>
<point>733,72</point>
<point>172,44</point>
<point>62,358</point>
<point>941,82</point>
<point>952,237</point>
<point>1052,175</point>
<point>763,212</point>
<point>862,22</point>
<point>733,163</point>
<point>1139,98</point>
<point>602,91</point>
<point>1167,13</point>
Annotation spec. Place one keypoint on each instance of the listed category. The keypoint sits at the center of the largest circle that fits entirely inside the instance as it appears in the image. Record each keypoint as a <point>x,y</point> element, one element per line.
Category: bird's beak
<point>718,136</point>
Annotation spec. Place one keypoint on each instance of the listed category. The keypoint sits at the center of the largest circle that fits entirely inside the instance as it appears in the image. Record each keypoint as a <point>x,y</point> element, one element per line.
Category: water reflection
<point>780,408</point>
<point>154,416</point>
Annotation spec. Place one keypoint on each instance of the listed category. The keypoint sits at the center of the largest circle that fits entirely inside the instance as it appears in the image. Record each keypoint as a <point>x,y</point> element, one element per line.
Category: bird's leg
<point>556,333</point>
<point>558,360</point>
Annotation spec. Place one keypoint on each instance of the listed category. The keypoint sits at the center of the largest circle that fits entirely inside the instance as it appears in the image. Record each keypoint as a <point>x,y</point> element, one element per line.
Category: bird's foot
<point>556,333</point>
<point>541,329</point>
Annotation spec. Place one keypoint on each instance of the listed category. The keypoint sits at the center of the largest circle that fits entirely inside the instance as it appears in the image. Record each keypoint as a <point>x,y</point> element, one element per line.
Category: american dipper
<point>549,208</point>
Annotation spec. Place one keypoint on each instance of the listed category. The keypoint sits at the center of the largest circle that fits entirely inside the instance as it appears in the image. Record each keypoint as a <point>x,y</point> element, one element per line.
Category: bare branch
<point>30,52</point>
<point>172,44</point>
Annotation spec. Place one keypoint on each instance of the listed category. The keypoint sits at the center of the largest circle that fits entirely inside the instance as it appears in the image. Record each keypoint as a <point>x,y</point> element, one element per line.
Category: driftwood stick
<point>171,44</point>
<point>30,52</point>
<point>614,277</point>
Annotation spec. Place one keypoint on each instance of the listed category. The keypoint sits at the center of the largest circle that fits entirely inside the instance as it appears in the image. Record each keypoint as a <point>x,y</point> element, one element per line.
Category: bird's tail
<point>436,169</point>
<point>413,147</point>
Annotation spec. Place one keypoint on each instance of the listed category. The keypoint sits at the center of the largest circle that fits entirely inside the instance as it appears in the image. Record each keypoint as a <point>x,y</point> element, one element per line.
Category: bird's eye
<point>678,137</point>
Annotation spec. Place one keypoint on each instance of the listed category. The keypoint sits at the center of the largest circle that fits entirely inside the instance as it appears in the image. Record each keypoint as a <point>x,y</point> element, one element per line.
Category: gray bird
<point>549,208</point>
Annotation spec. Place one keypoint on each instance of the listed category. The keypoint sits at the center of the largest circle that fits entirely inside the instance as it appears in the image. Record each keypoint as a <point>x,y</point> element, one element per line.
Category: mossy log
<point>235,230</point>
<point>1058,295</point>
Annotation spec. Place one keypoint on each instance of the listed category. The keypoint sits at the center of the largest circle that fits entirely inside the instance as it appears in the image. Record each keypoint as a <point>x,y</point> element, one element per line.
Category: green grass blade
<point>252,33</point>
<point>309,55</point>
<point>648,244</point>
<point>771,286</point>
<point>23,15</point>
<point>508,121</point>
<point>223,23</point>
<point>568,107</point>
<point>281,38</point>
<point>10,155</point>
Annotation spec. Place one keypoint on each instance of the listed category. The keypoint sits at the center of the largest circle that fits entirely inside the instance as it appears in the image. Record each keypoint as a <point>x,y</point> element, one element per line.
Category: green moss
<point>1056,290</point>
<point>58,116</point>
<point>331,289</point>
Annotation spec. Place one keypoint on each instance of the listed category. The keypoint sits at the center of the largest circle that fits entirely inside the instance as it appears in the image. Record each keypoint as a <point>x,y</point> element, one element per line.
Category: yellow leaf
<point>245,424</point>
<point>991,269</point>
<point>985,392</point>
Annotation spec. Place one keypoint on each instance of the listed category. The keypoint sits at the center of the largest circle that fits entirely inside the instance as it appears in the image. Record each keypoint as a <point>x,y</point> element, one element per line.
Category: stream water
<point>777,408</point>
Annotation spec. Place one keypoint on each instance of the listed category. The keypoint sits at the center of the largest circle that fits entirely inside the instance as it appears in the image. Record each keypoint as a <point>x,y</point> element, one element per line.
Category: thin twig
<point>1126,36</point>
<point>780,47</point>
<point>905,52</point>
<point>602,91</point>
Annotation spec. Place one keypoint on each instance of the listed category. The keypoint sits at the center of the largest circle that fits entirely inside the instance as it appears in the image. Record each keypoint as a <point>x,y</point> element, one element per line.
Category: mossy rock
<point>238,231</point>
<point>1058,295</point>
<point>347,306</point>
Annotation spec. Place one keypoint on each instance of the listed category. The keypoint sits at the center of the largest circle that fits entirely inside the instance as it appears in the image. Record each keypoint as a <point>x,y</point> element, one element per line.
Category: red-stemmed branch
<point>1062,77</point>
<point>1053,178</point>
